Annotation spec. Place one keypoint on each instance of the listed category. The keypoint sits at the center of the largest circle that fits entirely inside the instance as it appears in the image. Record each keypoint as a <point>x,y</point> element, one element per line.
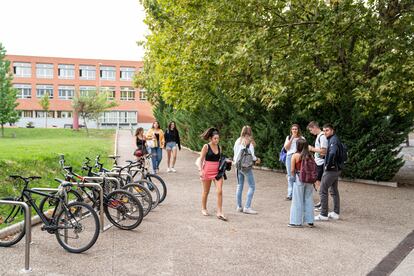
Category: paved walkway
<point>175,239</point>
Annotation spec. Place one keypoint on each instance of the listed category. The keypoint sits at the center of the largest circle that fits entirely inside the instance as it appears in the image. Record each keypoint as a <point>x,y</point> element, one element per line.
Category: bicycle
<point>67,221</point>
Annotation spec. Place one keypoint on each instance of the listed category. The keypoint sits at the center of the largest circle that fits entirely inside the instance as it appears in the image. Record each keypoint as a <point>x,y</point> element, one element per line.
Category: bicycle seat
<point>69,168</point>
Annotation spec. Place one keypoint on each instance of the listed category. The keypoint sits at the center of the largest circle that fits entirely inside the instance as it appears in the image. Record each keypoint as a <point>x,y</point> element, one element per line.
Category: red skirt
<point>210,170</point>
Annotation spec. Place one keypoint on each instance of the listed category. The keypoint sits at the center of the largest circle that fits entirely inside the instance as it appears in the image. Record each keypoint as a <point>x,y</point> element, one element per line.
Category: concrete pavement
<point>175,239</point>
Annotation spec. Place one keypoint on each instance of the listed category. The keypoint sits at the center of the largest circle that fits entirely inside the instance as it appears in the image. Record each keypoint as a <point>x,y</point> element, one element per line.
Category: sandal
<point>221,217</point>
<point>204,212</point>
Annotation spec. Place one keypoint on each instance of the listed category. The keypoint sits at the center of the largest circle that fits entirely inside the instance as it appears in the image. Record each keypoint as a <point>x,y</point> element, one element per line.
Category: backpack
<point>245,161</point>
<point>283,154</point>
<point>342,155</point>
<point>308,171</point>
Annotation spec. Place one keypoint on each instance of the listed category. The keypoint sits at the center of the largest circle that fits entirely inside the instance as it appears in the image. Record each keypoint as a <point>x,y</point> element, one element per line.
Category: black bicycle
<point>75,224</point>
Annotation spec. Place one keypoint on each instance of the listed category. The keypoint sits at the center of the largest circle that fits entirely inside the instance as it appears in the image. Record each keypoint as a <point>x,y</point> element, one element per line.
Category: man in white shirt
<point>321,144</point>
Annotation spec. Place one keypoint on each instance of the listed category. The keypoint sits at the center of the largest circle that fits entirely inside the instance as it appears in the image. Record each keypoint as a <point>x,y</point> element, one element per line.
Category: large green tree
<point>274,63</point>
<point>8,103</point>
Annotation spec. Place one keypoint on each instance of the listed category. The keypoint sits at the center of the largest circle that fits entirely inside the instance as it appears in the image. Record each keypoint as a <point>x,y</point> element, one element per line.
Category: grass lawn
<point>36,152</point>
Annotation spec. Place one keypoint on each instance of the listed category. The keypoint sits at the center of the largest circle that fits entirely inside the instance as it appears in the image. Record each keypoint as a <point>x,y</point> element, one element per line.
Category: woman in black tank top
<point>209,167</point>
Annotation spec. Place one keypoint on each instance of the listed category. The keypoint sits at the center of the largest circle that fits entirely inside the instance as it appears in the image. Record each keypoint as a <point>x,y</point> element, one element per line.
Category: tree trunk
<point>86,127</point>
<point>2,130</point>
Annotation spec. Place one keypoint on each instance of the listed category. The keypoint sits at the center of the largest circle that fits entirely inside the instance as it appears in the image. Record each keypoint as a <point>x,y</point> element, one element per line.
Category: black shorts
<point>320,172</point>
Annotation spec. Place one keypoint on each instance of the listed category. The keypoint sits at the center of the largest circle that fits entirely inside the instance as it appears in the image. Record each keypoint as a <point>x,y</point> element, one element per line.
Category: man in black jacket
<point>332,170</point>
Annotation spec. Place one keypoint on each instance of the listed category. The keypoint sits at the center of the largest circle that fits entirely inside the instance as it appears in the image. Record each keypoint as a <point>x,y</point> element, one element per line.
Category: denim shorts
<point>171,145</point>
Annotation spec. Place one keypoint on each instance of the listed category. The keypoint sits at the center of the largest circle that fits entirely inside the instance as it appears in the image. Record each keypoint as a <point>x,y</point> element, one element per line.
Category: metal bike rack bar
<point>102,179</point>
<point>28,225</point>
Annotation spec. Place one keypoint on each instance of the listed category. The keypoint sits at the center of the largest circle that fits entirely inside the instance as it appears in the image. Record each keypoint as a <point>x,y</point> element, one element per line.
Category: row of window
<point>24,91</point>
<point>108,117</point>
<point>67,71</point>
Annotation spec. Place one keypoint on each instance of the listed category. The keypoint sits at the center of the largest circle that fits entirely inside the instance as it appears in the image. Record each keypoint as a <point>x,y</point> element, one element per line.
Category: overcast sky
<point>99,29</point>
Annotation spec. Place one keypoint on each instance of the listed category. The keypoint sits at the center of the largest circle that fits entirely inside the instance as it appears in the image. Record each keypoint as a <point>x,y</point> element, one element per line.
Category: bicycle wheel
<point>12,226</point>
<point>123,210</point>
<point>155,193</point>
<point>159,182</point>
<point>47,204</point>
<point>142,194</point>
<point>77,231</point>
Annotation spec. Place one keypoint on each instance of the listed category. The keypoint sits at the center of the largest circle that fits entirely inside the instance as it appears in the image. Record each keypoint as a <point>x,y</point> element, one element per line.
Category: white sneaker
<point>173,170</point>
<point>249,211</point>
<point>239,209</point>
<point>169,170</point>
<point>321,218</point>
<point>333,215</point>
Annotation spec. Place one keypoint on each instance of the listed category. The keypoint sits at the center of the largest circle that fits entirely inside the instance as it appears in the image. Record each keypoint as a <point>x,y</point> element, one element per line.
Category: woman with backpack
<point>290,147</point>
<point>303,174</point>
<point>244,158</point>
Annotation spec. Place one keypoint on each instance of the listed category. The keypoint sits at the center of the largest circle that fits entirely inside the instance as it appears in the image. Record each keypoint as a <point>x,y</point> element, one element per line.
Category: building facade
<point>63,78</point>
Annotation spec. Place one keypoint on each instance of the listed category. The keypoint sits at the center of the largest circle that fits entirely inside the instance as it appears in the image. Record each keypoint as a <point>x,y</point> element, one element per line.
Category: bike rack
<point>27,222</point>
<point>102,179</point>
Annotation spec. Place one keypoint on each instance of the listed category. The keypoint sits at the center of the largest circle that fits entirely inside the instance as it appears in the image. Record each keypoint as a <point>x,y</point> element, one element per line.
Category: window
<point>42,89</point>
<point>87,72</point>
<point>127,73</point>
<point>107,72</point>
<point>127,94</point>
<point>143,95</point>
<point>118,117</point>
<point>22,69</point>
<point>87,91</point>
<point>44,71</point>
<point>66,92</point>
<point>64,114</point>
<point>27,114</point>
<point>66,71</point>
<point>24,91</point>
<point>42,114</point>
<point>110,92</point>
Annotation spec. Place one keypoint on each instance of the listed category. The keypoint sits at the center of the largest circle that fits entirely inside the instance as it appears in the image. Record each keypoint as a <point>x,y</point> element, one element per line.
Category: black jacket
<point>331,158</point>
<point>172,136</point>
<point>223,167</point>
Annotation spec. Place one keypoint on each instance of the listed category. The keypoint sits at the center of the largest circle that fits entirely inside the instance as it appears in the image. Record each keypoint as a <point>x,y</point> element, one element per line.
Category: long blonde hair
<point>246,135</point>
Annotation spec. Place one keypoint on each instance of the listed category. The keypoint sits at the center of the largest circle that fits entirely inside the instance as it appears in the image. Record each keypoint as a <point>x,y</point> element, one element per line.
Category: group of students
<point>155,140</point>
<point>327,169</point>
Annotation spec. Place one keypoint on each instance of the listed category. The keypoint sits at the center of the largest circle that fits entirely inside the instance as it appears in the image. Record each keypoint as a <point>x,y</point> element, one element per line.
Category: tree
<point>90,106</point>
<point>273,63</point>
<point>45,104</point>
<point>8,97</point>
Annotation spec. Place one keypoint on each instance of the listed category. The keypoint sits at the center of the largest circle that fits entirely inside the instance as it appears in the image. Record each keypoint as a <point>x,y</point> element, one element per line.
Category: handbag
<point>150,143</point>
<point>138,153</point>
<point>283,155</point>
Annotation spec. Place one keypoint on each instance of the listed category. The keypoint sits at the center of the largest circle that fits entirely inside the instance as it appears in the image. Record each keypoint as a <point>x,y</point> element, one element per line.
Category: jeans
<point>240,184</point>
<point>329,180</point>
<point>156,157</point>
<point>301,210</point>
<point>289,177</point>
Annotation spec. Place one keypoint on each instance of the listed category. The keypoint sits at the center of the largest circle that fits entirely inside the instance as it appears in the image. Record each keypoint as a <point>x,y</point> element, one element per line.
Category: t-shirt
<point>293,147</point>
<point>320,142</point>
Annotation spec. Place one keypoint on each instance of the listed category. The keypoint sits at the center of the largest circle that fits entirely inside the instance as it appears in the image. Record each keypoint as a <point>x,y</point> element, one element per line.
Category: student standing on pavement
<point>290,147</point>
<point>245,141</point>
<point>140,141</point>
<point>321,144</point>
<point>172,141</point>
<point>301,209</point>
<point>208,167</point>
<point>332,170</point>
<point>155,140</point>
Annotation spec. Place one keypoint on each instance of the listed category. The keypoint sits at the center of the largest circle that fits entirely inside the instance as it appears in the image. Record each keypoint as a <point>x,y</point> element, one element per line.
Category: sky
<point>97,29</point>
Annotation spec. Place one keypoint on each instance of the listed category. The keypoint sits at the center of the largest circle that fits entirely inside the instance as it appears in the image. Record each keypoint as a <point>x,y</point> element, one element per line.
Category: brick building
<point>63,78</point>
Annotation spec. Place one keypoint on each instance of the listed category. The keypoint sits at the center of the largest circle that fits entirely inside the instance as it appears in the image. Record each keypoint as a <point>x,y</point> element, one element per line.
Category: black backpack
<point>342,155</point>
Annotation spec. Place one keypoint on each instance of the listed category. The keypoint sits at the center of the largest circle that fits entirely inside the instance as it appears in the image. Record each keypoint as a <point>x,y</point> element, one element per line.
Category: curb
<point>356,180</point>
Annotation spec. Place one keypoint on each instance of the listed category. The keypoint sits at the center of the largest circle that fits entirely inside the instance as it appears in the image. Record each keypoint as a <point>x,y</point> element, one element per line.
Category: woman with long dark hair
<point>208,167</point>
<point>172,142</point>
<point>301,209</point>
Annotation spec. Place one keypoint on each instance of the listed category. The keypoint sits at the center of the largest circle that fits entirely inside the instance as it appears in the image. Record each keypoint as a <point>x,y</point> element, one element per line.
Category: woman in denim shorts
<point>172,140</point>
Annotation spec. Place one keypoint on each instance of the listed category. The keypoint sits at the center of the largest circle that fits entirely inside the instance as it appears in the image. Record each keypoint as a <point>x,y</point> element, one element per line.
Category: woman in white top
<point>290,147</point>
<point>245,141</point>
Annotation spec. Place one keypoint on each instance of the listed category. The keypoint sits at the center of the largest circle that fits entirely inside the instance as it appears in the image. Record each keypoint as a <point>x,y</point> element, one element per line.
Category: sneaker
<point>249,211</point>
<point>295,225</point>
<point>173,170</point>
<point>317,205</point>
<point>321,218</point>
<point>333,215</point>
<point>318,209</point>
<point>239,209</point>
<point>311,225</point>
<point>288,198</point>
<point>169,170</point>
